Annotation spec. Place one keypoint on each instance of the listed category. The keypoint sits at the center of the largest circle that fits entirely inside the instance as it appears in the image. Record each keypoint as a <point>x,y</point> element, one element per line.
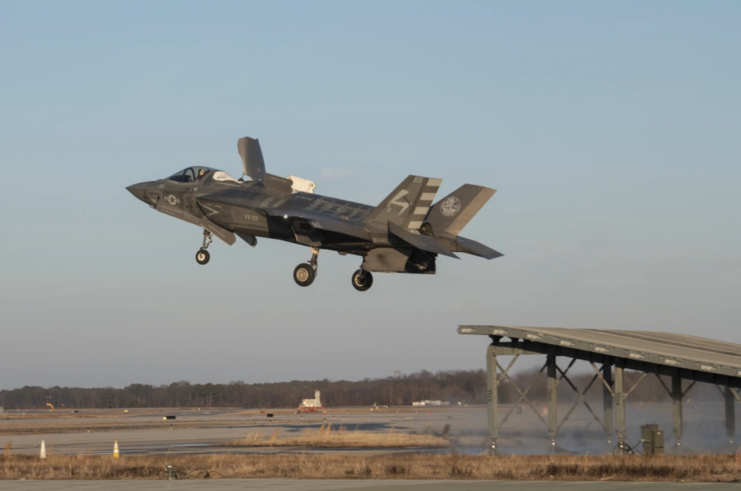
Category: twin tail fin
<point>407,205</point>
<point>452,213</point>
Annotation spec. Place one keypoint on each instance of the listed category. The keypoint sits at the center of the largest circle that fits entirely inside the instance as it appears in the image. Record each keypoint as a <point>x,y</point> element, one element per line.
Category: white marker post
<point>42,454</point>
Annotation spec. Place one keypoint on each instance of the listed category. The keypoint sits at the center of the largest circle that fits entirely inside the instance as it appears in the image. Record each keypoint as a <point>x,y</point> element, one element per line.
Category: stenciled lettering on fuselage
<point>380,239</point>
<point>337,208</point>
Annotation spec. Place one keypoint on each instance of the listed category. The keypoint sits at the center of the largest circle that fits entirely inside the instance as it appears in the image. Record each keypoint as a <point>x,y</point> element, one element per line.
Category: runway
<point>143,431</point>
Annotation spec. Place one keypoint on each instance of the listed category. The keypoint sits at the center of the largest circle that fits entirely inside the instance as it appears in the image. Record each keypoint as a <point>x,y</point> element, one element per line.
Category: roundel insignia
<point>450,206</point>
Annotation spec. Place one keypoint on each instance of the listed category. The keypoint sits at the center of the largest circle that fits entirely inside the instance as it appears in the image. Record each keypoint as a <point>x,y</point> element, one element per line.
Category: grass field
<point>697,468</point>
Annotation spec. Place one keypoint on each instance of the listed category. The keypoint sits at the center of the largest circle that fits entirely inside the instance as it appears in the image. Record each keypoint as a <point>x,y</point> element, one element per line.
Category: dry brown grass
<point>327,437</point>
<point>698,468</point>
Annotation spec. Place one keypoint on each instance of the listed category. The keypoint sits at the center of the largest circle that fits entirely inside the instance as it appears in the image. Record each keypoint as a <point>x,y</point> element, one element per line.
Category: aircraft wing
<point>204,222</point>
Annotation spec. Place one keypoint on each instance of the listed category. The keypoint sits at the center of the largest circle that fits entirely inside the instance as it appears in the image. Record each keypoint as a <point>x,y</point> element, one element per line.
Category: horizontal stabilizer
<point>476,248</point>
<point>423,242</point>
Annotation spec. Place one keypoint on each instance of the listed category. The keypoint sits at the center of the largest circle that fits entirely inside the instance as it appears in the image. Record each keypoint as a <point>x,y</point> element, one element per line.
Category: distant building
<point>311,405</point>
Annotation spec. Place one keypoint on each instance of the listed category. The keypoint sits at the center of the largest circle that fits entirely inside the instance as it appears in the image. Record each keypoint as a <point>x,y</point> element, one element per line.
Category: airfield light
<point>170,473</point>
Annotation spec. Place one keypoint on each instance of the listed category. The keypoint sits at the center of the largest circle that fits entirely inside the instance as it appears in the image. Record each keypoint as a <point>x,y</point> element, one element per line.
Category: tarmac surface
<point>365,485</point>
<point>202,431</point>
<point>144,431</point>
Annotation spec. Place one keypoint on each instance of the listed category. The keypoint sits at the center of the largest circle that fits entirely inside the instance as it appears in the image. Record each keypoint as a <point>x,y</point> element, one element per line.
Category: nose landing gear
<point>202,256</point>
<point>305,273</point>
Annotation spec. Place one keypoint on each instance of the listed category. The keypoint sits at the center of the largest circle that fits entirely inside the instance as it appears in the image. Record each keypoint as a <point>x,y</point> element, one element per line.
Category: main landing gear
<point>305,273</point>
<point>362,280</point>
<point>202,256</point>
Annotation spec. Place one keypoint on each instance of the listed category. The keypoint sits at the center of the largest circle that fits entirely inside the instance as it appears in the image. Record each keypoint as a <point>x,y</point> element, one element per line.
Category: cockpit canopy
<point>191,174</point>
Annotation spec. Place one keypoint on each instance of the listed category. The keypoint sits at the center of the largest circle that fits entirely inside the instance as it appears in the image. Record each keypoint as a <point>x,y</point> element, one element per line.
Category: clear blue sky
<point>612,131</point>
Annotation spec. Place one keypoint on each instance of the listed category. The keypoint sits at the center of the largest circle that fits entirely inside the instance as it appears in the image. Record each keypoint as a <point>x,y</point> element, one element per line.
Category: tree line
<point>464,386</point>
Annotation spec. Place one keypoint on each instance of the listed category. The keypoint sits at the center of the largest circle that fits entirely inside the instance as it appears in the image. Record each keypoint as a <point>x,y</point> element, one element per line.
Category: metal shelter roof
<point>660,348</point>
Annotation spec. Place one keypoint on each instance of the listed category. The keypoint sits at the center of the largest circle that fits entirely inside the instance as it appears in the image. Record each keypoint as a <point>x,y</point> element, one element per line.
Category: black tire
<point>362,280</point>
<point>304,274</point>
<point>202,256</point>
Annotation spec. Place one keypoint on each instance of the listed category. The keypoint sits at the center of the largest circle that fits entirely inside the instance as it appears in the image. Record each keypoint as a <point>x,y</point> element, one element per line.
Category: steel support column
<point>730,414</point>
<point>608,401</point>
<point>677,406</point>
<point>620,425</point>
<point>491,398</point>
<point>552,398</point>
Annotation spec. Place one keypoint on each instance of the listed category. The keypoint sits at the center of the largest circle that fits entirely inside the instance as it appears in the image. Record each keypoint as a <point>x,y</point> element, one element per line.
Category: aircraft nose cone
<point>138,190</point>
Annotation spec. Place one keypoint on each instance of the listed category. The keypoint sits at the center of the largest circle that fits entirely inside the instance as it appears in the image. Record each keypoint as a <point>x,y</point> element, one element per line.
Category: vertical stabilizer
<point>453,212</point>
<point>407,205</point>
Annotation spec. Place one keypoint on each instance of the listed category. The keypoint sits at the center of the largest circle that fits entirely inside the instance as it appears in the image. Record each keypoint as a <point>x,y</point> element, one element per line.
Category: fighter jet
<point>403,234</point>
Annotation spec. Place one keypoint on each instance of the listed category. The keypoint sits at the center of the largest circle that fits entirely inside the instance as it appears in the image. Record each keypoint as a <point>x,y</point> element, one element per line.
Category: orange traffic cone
<point>115,449</point>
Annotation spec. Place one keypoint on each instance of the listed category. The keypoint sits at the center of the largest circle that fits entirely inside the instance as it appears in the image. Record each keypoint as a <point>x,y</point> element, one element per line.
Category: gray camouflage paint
<point>403,234</point>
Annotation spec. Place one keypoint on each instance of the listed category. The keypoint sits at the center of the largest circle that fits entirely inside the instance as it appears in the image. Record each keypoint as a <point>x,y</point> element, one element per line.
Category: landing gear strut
<point>202,256</point>
<point>305,273</point>
<point>362,280</point>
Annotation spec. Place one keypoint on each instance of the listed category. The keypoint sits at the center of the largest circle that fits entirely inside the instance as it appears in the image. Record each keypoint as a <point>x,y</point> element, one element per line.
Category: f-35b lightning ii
<point>404,234</point>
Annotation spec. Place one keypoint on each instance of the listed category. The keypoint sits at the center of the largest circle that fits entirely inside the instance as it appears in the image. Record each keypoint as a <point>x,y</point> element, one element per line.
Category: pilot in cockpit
<point>202,173</point>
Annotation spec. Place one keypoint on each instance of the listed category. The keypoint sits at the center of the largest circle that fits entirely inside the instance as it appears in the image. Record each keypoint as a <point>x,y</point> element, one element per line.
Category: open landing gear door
<point>219,232</point>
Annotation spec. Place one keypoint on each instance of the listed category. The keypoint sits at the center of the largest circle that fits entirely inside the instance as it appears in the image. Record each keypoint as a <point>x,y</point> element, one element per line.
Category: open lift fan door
<point>253,164</point>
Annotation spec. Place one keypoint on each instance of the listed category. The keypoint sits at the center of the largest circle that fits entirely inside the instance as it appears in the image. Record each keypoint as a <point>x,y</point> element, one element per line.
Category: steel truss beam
<point>553,370</point>
<point>614,390</point>
<point>677,397</point>
<point>619,394</point>
<point>728,396</point>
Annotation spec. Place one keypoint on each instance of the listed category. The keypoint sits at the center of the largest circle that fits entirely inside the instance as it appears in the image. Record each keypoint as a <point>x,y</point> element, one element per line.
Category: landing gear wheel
<point>362,280</point>
<point>202,256</point>
<point>304,274</point>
